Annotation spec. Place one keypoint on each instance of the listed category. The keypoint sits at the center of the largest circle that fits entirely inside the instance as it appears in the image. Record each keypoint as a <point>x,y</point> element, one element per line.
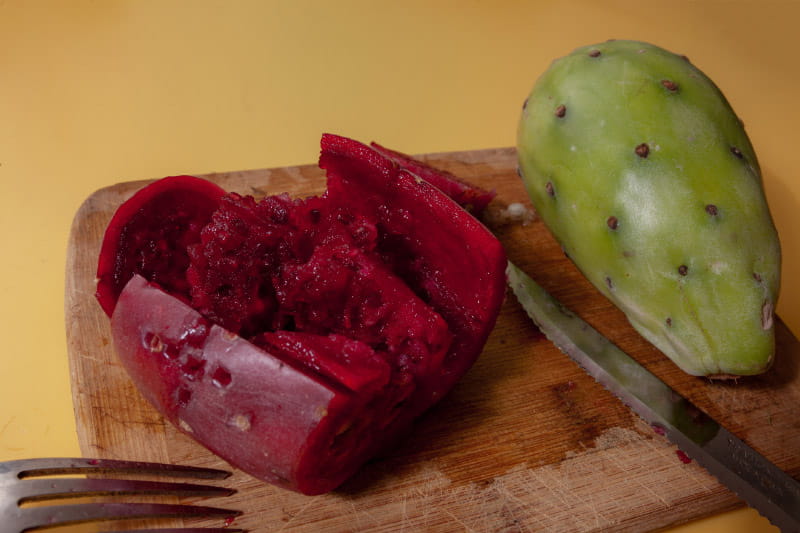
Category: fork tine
<point>71,465</point>
<point>62,515</point>
<point>32,490</point>
<point>16,488</point>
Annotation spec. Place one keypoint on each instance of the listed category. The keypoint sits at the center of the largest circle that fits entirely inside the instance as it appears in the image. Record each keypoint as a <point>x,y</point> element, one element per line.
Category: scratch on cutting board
<point>558,497</point>
<point>609,441</point>
<point>299,513</point>
<point>622,468</point>
<point>553,483</point>
<point>103,361</point>
<point>663,448</point>
<point>595,489</point>
<point>700,477</point>
<point>516,516</point>
<point>461,522</point>
<point>125,420</point>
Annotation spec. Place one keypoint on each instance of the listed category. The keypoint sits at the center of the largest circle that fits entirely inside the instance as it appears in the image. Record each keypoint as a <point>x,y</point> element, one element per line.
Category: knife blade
<point>743,470</point>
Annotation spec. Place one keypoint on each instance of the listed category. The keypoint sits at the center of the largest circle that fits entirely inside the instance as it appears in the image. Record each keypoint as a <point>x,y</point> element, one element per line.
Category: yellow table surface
<point>97,92</point>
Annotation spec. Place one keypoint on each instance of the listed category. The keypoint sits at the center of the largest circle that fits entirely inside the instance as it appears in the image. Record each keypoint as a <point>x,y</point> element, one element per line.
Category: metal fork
<point>24,482</point>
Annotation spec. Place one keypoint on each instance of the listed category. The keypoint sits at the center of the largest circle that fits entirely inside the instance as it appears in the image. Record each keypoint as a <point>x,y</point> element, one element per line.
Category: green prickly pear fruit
<point>641,170</point>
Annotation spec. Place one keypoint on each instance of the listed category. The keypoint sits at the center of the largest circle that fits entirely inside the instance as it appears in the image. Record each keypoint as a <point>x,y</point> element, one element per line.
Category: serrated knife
<point>747,473</point>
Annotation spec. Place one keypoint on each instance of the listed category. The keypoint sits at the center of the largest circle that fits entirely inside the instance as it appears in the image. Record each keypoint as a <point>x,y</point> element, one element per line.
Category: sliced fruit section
<point>247,405</point>
<point>150,234</point>
<point>473,199</point>
<point>442,252</point>
<point>297,337</point>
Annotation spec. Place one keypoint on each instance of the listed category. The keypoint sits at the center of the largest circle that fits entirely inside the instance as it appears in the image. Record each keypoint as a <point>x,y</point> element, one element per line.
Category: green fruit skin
<point>691,255</point>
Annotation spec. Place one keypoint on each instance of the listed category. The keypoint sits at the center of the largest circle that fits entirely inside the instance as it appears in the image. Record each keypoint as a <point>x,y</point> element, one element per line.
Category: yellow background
<point>97,92</point>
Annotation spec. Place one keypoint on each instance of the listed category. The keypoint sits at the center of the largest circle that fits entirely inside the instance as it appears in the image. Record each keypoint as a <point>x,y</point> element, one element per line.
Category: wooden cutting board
<point>525,442</point>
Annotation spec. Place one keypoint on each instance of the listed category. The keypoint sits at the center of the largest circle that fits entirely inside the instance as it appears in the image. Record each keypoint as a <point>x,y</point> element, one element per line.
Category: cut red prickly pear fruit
<point>474,199</point>
<point>342,290</point>
<point>444,253</point>
<point>296,338</point>
<point>150,234</point>
<point>253,409</point>
<point>347,362</point>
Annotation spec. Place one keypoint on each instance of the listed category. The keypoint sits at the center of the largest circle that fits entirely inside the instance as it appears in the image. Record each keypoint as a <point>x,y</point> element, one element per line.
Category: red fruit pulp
<point>297,337</point>
<point>445,254</point>
<point>150,233</point>
<point>472,198</point>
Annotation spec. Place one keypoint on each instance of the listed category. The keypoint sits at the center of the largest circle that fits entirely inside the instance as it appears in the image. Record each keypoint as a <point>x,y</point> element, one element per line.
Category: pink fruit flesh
<point>298,337</point>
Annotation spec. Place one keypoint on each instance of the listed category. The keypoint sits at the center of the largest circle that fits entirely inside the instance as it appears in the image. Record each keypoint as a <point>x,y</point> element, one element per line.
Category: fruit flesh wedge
<point>258,409</point>
<point>473,199</point>
<point>303,335</point>
<point>441,251</point>
<point>150,233</point>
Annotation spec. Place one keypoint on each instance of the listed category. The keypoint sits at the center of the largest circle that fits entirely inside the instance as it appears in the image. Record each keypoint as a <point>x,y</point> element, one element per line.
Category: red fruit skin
<point>277,422</point>
<point>472,198</point>
<point>182,203</point>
